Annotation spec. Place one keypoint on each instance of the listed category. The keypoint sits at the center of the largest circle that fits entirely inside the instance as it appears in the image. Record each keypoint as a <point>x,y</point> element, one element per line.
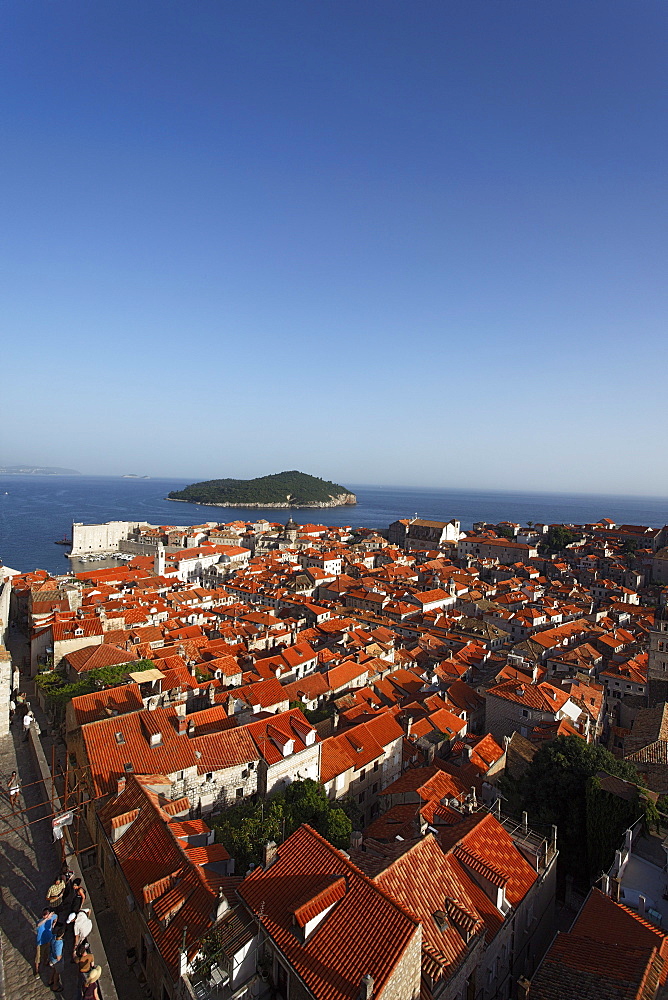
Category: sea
<point>37,511</point>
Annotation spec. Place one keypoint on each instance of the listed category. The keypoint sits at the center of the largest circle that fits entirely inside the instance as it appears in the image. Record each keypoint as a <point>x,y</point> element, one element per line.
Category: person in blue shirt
<point>56,960</point>
<point>44,936</point>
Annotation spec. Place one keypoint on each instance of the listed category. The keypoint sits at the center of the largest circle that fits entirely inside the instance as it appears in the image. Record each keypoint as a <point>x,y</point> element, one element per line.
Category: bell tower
<point>657,661</point>
<point>159,561</point>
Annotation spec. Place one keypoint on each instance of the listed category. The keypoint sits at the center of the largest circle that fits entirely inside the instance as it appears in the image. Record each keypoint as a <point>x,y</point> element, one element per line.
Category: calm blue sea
<point>37,510</point>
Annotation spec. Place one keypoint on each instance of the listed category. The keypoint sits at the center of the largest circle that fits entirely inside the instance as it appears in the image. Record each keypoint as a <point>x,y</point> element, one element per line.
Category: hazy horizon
<point>372,241</point>
<point>482,488</point>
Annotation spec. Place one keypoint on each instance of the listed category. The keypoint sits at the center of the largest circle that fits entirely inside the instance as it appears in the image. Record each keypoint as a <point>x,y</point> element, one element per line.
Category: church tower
<point>159,560</point>
<point>657,662</point>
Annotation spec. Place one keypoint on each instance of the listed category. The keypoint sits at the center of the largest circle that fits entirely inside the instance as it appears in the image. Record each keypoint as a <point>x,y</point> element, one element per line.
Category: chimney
<point>269,854</point>
<point>409,726</point>
<point>355,840</point>
<point>467,752</point>
<point>554,838</point>
<point>212,694</point>
<point>335,720</point>
<point>366,987</point>
<point>222,905</point>
<point>605,885</point>
<point>190,729</point>
<point>642,902</point>
<point>181,726</point>
<point>121,787</point>
<point>525,822</point>
<point>230,705</point>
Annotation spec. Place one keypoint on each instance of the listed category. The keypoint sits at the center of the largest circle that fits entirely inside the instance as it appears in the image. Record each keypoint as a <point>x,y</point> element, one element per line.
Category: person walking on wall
<point>56,960</point>
<point>28,720</point>
<point>13,790</point>
<point>44,937</point>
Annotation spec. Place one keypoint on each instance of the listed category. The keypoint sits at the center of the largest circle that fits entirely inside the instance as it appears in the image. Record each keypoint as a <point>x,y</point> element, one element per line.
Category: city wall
<point>101,537</point>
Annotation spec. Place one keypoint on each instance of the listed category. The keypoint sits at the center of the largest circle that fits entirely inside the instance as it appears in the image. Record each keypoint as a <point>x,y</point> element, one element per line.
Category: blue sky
<point>418,243</point>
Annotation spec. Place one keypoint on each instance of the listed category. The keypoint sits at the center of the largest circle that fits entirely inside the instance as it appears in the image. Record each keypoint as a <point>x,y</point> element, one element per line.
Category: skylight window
<point>128,767</point>
<point>119,737</point>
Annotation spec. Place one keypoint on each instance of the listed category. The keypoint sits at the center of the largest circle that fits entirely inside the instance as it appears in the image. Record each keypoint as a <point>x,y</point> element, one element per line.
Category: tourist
<point>12,710</point>
<point>66,874</point>
<point>85,961</point>
<point>79,896</point>
<point>44,936</point>
<point>56,893</point>
<point>83,925</point>
<point>28,720</point>
<point>13,789</point>
<point>56,960</point>
<point>90,990</point>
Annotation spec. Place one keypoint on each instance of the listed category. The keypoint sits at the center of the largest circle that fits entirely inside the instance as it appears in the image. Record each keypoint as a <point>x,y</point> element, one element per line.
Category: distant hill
<point>36,470</point>
<point>285,489</point>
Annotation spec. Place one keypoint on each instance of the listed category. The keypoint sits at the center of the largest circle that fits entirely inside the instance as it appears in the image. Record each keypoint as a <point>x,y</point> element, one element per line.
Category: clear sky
<point>418,242</point>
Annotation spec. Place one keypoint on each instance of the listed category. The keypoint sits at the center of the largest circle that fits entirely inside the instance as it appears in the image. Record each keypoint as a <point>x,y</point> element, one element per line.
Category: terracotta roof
<point>579,968</point>
<point>365,932</point>
<point>182,893</point>
<point>424,880</point>
<point>110,701</point>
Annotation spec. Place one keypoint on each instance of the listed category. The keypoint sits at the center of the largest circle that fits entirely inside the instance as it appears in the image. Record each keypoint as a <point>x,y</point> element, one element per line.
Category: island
<point>36,470</point>
<point>284,489</point>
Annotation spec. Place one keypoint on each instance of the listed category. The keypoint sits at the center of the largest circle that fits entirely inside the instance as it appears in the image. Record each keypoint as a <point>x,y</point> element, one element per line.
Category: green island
<point>284,489</point>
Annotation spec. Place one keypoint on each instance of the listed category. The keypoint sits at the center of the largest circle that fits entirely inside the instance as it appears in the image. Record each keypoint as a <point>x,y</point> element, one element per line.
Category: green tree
<point>245,828</point>
<point>553,790</point>
<point>607,817</point>
<point>557,538</point>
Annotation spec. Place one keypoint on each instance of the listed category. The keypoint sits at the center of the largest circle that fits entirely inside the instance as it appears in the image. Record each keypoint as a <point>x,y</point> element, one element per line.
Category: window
<point>128,767</point>
<point>375,788</point>
<point>209,776</point>
<point>362,774</point>
<point>375,765</point>
<point>360,797</point>
<point>525,713</point>
<point>239,793</point>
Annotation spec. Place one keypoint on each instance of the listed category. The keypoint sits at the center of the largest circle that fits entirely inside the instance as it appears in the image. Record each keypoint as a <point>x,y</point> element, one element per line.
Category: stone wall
<point>296,767</point>
<point>404,981</point>
<point>101,537</point>
<point>5,689</point>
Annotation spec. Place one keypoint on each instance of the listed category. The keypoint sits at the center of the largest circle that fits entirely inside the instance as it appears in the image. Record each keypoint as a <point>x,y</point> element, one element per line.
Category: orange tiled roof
<point>365,932</point>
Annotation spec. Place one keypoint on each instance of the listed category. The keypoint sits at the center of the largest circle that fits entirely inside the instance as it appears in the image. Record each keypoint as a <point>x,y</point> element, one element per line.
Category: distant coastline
<point>36,470</point>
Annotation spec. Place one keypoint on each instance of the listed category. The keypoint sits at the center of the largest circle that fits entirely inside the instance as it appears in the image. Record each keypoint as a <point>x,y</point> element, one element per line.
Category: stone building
<point>164,877</point>
<point>326,930</point>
